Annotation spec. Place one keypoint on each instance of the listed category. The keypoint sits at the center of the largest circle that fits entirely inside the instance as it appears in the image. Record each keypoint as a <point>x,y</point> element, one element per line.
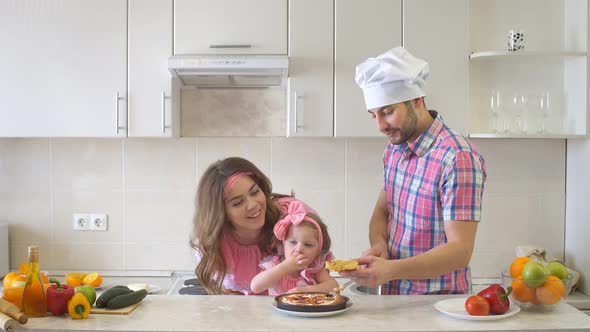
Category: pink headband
<point>296,214</point>
<point>231,182</point>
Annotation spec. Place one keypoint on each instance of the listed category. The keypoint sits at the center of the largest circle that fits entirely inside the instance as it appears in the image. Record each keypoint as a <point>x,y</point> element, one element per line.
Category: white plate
<point>312,314</point>
<point>153,289</point>
<point>456,309</point>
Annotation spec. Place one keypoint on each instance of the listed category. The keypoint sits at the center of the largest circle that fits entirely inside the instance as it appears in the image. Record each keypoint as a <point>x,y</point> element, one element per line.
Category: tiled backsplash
<point>147,187</point>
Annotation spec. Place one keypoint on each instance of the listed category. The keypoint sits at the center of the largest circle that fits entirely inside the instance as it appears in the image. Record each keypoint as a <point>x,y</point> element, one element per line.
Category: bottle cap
<point>33,249</point>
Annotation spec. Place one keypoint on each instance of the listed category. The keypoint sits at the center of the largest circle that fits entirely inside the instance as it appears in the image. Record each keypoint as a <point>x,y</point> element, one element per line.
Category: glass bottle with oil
<point>34,297</point>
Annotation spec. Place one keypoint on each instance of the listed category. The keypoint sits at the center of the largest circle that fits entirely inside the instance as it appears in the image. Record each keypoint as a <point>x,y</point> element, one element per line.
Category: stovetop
<point>187,285</point>
<point>192,287</point>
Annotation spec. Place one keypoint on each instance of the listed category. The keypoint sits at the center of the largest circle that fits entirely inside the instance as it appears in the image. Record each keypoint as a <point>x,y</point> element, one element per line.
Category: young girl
<point>299,265</point>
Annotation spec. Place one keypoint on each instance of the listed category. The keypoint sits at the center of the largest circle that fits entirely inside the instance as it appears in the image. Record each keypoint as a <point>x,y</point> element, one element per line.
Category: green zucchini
<point>126,300</point>
<point>110,293</point>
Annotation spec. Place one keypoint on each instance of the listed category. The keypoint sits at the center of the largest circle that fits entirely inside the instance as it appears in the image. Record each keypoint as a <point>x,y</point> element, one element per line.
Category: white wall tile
<point>159,164</point>
<point>160,256</point>
<point>86,164</point>
<point>90,257</point>
<point>66,203</point>
<point>160,215</point>
<point>314,169</point>
<point>256,150</point>
<point>25,194</point>
<point>364,181</point>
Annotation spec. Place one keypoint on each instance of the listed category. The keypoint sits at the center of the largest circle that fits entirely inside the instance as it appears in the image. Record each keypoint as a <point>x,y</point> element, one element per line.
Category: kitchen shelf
<point>535,54</point>
<point>556,136</point>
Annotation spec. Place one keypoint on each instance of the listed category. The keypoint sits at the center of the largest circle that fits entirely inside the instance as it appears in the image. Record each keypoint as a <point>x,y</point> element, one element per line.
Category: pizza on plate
<point>311,299</point>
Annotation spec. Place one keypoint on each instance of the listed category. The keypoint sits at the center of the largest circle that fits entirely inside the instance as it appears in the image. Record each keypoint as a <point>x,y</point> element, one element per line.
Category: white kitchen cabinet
<point>438,32</point>
<point>151,109</point>
<point>230,27</point>
<point>310,84</point>
<point>64,68</point>
<point>363,29</point>
<point>553,63</point>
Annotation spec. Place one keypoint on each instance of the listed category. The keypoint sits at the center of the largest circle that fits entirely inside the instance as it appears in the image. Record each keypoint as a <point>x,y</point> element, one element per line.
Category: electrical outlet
<point>81,221</point>
<point>98,222</point>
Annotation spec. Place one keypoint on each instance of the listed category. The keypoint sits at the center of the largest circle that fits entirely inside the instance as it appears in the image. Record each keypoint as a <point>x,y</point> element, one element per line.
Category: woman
<point>233,225</point>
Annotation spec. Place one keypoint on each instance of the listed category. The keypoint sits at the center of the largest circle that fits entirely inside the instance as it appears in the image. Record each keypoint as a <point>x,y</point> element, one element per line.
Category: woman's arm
<point>325,284</point>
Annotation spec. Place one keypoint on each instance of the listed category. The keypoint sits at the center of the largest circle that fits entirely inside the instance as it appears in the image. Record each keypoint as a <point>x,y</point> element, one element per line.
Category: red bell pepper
<point>497,296</point>
<point>58,296</point>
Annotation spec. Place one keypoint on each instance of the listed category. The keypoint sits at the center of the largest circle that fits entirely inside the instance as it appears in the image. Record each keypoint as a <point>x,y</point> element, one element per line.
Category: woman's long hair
<point>210,219</point>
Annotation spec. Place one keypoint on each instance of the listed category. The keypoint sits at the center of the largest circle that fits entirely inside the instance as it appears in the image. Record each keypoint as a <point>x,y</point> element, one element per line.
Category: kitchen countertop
<point>255,313</point>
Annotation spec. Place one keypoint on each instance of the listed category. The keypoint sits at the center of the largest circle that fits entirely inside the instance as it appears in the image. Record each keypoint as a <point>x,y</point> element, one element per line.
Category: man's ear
<point>417,101</point>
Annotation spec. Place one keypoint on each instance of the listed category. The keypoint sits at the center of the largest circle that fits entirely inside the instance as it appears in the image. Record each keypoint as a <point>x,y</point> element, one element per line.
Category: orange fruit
<point>14,295</point>
<point>551,291</point>
<point>92,279</point>
<point>18,278</point>
<point>8,278</point>
<point>75,279</point>
<point>521,292</point>
<point>517,265</point>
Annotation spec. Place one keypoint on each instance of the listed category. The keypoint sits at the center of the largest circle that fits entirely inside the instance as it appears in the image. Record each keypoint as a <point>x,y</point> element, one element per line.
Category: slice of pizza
<point>339,265</point>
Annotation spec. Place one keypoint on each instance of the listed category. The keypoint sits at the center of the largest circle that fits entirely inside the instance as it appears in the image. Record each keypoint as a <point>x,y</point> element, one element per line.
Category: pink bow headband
<point>296,214</point>
<point>231,182</point>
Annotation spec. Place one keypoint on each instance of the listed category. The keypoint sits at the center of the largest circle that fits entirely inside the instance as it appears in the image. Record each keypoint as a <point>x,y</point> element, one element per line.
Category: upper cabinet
<point>433,30</point>
<point>310,84</point>
<point>438,32</point>
<point>230,27</point>
<point>539,89</point>
<point>151,109</point>
<point>363,29</point>
<point>64,68</point>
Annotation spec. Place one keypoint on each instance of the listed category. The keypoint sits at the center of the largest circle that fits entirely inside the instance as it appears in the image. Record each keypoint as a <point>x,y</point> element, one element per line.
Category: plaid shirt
<point>439,177</point>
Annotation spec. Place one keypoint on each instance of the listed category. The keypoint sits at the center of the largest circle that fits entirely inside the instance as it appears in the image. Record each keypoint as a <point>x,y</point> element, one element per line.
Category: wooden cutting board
<point>120,311</point>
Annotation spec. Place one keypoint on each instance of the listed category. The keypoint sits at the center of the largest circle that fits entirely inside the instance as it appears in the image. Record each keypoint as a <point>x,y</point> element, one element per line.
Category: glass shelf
<point>487,135</point>
<point>537,54</point>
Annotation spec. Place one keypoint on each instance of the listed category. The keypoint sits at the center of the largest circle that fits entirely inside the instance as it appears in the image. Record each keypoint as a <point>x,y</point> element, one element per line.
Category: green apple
<point>556,269</point>
<point>88,291</point>
<point>533,274</point>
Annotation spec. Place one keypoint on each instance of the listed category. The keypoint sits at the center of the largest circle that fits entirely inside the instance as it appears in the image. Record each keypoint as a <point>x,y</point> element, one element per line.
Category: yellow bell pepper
<point>79,307</point>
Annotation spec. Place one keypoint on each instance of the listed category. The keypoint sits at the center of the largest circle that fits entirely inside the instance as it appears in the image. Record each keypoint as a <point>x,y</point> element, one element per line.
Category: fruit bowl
<point>544,297</point>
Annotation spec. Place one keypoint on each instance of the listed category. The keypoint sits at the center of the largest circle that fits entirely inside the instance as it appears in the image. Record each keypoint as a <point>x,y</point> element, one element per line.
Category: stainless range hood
<point>229,71</point>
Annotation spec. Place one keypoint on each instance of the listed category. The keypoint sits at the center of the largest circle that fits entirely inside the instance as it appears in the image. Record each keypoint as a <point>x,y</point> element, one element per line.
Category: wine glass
<point>495,109</point>
<point>520,107</point>
<point>545,109</point>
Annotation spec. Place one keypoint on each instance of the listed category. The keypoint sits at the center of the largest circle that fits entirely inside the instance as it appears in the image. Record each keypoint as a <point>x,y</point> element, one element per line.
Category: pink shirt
<point>241,262</point>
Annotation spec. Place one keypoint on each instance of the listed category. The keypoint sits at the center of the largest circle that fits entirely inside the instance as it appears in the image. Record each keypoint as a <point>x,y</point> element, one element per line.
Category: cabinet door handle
<point>230,46</point>
<point>296,98</point>
<point>117,100</point>
<point>164,126</point>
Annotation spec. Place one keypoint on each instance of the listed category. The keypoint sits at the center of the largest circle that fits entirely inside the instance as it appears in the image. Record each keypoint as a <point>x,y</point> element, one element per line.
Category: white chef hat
<point>392,77</point>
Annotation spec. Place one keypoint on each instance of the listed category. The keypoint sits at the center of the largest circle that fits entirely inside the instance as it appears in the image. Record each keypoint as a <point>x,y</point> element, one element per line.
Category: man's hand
<point>373,271</point>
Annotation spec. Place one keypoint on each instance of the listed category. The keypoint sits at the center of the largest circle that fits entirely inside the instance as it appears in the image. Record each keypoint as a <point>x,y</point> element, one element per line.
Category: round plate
<point>310,308</point>
<point>153,289</point>
<point>456,309</point>
<point>311,314</point>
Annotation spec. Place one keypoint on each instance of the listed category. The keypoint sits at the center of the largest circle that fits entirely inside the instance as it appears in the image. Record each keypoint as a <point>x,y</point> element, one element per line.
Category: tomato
<point>477,306</point>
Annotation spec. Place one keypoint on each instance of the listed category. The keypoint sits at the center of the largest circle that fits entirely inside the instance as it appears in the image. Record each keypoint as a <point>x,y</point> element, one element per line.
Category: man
<point>423,227</point>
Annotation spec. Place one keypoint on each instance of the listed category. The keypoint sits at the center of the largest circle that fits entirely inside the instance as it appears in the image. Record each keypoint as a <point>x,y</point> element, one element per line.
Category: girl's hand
<point>296,263</point>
